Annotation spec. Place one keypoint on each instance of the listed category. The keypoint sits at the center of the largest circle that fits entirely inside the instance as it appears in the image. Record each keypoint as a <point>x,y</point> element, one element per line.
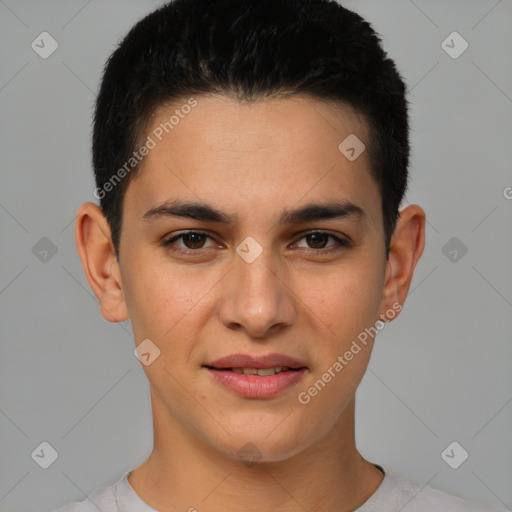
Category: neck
<point>183,473</point>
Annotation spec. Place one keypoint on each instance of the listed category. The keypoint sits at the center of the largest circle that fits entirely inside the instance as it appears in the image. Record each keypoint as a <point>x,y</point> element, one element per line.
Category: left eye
<point>319,238</point>
<point>194,241</point>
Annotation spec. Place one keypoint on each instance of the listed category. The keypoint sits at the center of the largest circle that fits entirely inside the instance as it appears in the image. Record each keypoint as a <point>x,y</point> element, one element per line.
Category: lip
<point>250,361</point>
<point>256,386</point>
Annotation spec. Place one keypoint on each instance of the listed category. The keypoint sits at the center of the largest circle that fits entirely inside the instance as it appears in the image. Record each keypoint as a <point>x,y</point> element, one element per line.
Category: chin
<point>256,446</point>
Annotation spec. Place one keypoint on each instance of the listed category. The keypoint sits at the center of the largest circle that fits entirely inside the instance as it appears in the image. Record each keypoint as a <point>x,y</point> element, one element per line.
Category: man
<point>250,160</point>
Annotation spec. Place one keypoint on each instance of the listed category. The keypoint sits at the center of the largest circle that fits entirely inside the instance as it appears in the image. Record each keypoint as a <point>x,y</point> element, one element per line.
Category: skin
<point>252,161</point>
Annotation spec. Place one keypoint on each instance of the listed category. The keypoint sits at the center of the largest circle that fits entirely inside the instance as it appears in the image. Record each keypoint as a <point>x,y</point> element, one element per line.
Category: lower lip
<point>256,386</point>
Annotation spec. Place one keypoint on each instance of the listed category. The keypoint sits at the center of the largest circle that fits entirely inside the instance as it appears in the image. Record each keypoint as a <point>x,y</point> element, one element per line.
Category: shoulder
<point>413,496</point>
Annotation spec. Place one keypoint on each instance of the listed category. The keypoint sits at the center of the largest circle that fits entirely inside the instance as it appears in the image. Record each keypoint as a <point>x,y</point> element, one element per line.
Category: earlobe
<point>406,247</point>
<point>96,251</point>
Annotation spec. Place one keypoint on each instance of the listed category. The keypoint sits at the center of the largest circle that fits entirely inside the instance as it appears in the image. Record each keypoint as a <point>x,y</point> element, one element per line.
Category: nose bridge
<point>255,272</point>
<point>261,273</point>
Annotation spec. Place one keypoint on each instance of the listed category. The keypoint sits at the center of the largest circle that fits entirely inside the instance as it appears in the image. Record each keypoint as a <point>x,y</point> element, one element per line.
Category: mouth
<point>258,362</point>
<point>255,376</point>
<point>262,372</point>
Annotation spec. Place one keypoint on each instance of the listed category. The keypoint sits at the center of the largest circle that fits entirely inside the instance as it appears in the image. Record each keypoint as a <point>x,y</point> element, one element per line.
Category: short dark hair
<point>249,50</point>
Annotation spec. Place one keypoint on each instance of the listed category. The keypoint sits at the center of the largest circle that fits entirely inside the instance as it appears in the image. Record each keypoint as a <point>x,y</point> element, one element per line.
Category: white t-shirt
<point>395,494</point>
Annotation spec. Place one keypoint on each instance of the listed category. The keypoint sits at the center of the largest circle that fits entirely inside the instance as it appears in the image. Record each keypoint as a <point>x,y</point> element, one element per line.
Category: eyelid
<point>342,242</point>
<point>168,241</point>
<point>336,235</point>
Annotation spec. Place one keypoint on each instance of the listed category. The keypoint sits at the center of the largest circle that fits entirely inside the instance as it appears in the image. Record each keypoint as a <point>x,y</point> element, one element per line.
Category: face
<point>280,262</point>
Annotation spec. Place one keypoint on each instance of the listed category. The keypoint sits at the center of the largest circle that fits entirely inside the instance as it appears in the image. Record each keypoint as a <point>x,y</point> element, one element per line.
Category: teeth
<point>267,371</point>
<point>260,371</point>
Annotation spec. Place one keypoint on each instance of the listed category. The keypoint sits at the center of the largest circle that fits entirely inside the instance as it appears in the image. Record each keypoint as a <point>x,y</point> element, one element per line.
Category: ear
<point>96,251</point>
<point>405,249</point>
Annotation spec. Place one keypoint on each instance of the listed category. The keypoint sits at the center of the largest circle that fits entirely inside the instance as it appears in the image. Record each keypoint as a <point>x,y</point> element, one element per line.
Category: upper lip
<point>254,361</point>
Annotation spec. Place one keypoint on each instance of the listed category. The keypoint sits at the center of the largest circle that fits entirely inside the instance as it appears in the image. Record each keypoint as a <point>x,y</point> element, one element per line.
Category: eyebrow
<point>206,212</point>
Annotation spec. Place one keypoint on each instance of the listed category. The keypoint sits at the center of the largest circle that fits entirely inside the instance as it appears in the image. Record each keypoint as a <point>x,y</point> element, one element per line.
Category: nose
<point>256,297</point>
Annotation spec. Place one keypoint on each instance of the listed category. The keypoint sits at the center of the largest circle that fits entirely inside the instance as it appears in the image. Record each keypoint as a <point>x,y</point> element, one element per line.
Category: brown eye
<point>192,241</point>
<point>317,240</point>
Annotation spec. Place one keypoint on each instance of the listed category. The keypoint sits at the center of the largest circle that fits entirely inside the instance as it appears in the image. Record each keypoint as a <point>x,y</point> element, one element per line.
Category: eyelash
<point>340,243</point>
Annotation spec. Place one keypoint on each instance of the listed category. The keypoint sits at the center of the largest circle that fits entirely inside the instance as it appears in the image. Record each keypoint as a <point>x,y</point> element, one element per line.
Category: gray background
<point>440,373</point>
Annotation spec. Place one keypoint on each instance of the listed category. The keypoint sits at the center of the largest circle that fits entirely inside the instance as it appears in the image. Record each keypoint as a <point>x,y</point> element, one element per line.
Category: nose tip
<point>255,298</point>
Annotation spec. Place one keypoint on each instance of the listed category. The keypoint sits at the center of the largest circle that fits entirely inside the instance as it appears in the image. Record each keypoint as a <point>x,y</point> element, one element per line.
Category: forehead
<point>218,150</point>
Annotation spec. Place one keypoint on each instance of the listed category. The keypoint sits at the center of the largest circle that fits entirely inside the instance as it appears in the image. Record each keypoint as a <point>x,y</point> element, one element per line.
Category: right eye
<point>193,242</point>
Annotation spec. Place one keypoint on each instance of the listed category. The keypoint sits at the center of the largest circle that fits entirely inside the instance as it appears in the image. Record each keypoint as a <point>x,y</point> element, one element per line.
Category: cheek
<point>156,299</point>
<point>352,301</point>
<point>346,299</point>
<point>168,305</point>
